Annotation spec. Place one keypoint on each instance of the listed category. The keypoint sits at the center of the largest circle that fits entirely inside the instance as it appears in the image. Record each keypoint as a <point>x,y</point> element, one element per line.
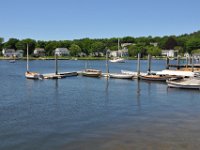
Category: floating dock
<point>59,75</point>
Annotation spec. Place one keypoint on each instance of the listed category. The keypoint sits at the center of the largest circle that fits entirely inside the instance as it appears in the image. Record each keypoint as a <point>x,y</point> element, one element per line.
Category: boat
<point>117,60</point>
<point>12,61</point>
<point>154,77</point>
<point>186,83</point>
<point>120,76</point>
<point>31,75</point>
<point>91,73</point>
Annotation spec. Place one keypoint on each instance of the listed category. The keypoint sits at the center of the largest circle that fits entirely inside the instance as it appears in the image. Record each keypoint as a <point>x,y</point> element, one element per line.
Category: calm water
<point>80,113</point>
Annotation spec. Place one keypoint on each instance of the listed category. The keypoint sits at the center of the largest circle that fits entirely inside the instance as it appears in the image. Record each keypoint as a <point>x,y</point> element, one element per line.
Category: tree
<point>192,44</point>
<point>97,47</point>
<point>31,44</point>
<point>133,50</point>
<point>74,50</point>
<point>10,44</point>
<point>154,51</point>
<point>50,47</point>
<point>170,43</point>
<point>41,44</point>
<point>21,45</point>
<point>1,43</point>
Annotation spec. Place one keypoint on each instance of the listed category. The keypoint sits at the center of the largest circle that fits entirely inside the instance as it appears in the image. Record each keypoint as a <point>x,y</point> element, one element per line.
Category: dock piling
<point>149,63</point>
<point>138,66</point>
<point>178,62</point>
<point>56,63</point>
<point>167,63</point>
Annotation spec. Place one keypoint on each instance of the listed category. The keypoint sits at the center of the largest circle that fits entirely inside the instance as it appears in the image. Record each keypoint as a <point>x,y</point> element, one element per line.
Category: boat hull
<point>154,78</point>
<point>184,83</point>
<point>33,75</point>
<point>121,76</point>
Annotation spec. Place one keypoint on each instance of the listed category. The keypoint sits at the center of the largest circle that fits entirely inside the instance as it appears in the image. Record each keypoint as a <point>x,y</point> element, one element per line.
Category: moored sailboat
<point>31,75</point>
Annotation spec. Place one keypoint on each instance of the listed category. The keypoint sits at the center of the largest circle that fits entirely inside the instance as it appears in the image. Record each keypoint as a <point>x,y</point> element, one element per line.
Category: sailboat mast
<point>27,67</point>
<point>118,43</point>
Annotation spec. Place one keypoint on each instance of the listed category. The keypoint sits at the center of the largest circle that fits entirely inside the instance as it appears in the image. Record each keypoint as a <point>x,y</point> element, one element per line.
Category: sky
<point>76,19</point>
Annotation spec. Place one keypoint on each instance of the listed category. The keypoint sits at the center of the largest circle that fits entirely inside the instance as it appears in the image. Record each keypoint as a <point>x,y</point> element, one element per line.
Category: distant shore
<point>74,58</point>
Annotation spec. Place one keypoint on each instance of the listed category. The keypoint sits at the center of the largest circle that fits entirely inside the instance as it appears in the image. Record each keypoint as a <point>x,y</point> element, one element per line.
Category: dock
<point>59,75</point>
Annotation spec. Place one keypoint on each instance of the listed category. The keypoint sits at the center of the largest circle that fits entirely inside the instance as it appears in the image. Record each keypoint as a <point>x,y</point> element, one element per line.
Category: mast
<point>27,63</point>
<point>118,44</point>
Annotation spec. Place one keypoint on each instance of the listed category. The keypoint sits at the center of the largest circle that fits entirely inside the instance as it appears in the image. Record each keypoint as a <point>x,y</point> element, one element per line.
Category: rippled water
<point>83,113</point>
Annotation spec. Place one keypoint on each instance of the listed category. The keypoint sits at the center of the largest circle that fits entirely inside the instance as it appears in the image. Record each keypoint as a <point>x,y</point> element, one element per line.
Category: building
<point>170,53</point>
<point>39,52</point>
<point>19,53</point>
<point>8,52</point>
<point>119,53</point>
<point>62,51</point>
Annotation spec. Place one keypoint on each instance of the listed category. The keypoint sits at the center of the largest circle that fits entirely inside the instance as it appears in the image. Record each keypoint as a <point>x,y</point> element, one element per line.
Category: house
<point>62,51</point>
<point>39,52</point>
<point>8,52</point>
<point>170,53</point>
<point>19,53</point>
<point>154,44</point>
<point>119,53</point>
<point>186,55</point>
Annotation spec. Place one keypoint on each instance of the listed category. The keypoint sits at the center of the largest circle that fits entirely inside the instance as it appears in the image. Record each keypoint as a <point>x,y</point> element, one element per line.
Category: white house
<point>119,53</point>
<point>19,53</point>
<point>39,52</point>
<point>62,51</point>
<point>170,53</point>
<point>8,52</point>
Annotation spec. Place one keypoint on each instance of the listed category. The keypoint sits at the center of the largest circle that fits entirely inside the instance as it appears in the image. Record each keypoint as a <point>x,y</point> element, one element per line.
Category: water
<point>89,113</point>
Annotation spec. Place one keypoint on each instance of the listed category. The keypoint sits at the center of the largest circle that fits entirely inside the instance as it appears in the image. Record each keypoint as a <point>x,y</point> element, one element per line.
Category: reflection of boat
<point>117,60</point>
<point>31,75</point>
<point>91,73</point>
<point>154,77</point>
<point>188,83</point>
<point>120,76</point>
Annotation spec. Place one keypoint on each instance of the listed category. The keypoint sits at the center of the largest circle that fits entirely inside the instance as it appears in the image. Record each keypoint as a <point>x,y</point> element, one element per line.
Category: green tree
<point>74,50</point>
<point>1,44</point>
<point>154,51</point>
<point>10,44</point>
<point>41,44</point>
<point>20,45</point>
<point>50,47</point>
<point>170,43</point>
<point>31,44</point>
<point>192,44</point>
<point>97,47</point>
<point>133,50</point>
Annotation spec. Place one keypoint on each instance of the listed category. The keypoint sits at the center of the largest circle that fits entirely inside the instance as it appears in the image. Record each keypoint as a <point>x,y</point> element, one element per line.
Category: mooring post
<point>107,65</point>
<point>138,66</point>
<point>192,63</point>
<point>178,62</point>
<point>167,63</point>
<point>190,59</point>
<point>186,61</point>
<point>149,64</point>
<point>56,63</point>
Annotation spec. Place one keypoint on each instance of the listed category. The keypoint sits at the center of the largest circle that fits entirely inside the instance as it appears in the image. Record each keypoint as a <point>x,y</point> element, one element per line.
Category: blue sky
<point>75,19</point>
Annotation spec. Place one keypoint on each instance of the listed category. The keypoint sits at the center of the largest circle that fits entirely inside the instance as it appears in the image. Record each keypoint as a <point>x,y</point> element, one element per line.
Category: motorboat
<point>91,73</point>
<point>186,83</point>
<point>120,76</point>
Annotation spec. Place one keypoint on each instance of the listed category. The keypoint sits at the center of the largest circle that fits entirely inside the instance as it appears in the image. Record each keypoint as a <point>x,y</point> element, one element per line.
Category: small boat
<point>33,75</point>
<point>117,60</point>
<point>154,77</point>
<point>12,61</point>
<point>120,76</point>
<point>91,73</point>
<point>186,83</point>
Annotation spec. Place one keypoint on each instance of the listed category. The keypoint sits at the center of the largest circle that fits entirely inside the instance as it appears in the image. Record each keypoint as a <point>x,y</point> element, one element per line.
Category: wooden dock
<point>59,75</point>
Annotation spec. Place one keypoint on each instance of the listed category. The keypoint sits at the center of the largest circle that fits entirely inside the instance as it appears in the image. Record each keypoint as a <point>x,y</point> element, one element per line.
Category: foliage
<point>154,51</point>
<point>74,50</point>
<point>192,44</point>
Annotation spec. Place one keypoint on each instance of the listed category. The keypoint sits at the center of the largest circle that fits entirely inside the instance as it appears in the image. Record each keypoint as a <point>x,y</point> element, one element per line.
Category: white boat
<point>91,73</point>
<point>117,60</point>
<point>31,75</point>
<point>120,76</point>
<point>187,83</point>
<point>177,73</point>
<point>154,77</point>
<point>12,61</point>
<point>132,73</point>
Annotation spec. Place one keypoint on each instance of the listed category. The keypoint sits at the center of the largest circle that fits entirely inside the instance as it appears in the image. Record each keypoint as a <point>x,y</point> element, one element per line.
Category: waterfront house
<point>19,53</point>
<point>62,51</point>
<point>39,52</point>
<point>186,55</point>
<point>170,53</point>
<point>8,52</point>
<point>119,53</point>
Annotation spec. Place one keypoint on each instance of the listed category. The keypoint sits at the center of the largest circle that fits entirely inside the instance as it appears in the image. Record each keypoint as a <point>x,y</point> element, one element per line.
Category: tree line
<point>145,45</point>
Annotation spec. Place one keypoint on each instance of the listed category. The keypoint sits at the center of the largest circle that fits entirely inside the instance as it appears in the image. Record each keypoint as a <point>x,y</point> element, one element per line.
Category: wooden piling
<point>178,62</point>
<point>192,63</point>
<point>56,64</point>
<point>167,63</point>
<point>138,66</point>
<point>149,63</point>
<point>186,62</point>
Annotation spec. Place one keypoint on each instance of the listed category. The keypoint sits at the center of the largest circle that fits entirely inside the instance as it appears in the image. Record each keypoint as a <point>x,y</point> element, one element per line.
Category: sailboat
<point>31,75</point>
<point>117,59</point>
